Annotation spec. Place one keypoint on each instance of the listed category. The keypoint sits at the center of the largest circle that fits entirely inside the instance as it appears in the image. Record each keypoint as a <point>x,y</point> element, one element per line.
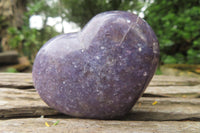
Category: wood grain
<point>37,125</point>
<point>169,105</point>
<point>173,91</point>
<point>21,103</point>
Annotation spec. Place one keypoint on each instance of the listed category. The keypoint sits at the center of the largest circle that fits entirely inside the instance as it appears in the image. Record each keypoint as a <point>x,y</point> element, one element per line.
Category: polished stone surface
<point>101,71</point>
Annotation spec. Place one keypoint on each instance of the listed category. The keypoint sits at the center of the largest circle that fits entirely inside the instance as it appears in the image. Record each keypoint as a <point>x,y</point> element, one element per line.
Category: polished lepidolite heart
<point>101,71</point>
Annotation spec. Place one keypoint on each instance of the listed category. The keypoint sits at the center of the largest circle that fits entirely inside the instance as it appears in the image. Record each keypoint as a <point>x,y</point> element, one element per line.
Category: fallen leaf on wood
<point>155,102</point>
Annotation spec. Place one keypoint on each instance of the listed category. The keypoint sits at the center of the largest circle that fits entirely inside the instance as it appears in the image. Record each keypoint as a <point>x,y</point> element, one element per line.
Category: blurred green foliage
<point>177,26</point>
<point>158,71</point>
<point>11,70</point>
<point>81,11</point>
<point>29,40</point>
<point>3,22</point>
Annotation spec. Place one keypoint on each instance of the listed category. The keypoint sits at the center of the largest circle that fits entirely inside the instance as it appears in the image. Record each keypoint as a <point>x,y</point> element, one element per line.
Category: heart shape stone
<point>101,71</point>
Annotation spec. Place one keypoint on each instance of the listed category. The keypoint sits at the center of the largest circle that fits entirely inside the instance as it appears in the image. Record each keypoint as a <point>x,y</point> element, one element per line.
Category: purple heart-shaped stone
<point>101,71</point>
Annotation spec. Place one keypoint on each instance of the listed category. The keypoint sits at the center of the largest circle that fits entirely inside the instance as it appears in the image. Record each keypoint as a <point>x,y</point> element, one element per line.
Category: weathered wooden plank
<point>16,80</point>
<point>37,125</point>
<point>173,91</point>
<point>165,109</point>
<point>21,103</point>
<point>24,80</point>
<point>162,80</point>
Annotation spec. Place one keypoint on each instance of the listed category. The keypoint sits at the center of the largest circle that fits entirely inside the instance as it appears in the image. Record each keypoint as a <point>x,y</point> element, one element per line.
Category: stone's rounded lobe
<point>101,71</point>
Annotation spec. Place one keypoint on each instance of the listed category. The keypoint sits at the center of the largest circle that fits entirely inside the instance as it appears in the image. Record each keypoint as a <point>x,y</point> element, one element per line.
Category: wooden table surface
<point>169,105</point>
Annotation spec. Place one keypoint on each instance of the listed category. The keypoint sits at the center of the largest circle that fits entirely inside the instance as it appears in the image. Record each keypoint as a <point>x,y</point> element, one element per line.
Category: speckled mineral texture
<point>101,71</point>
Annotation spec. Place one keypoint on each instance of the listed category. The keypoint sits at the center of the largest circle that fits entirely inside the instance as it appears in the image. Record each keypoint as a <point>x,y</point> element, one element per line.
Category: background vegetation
<point>175,22</point>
